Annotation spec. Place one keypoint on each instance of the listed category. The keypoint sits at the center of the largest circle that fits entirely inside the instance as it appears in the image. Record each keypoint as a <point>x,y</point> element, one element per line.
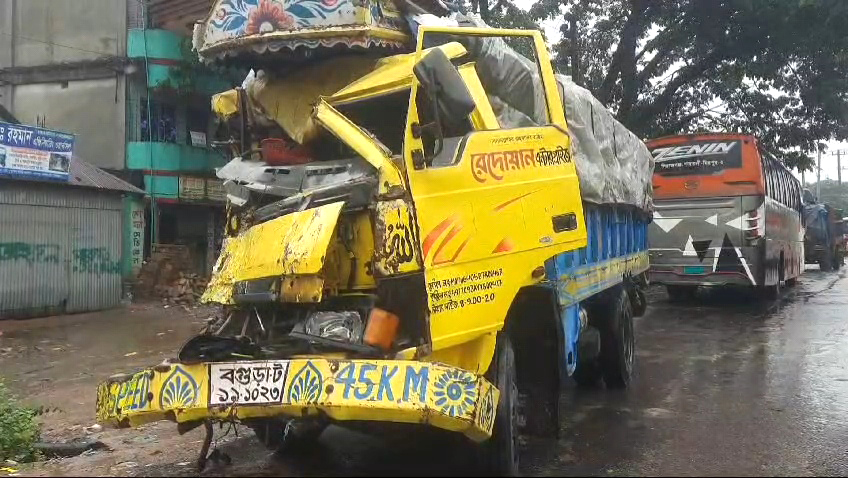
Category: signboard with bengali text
<point>35,153</point>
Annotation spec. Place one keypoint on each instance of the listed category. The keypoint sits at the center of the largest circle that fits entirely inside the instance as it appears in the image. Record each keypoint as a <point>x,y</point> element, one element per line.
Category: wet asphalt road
<point>724,385</point>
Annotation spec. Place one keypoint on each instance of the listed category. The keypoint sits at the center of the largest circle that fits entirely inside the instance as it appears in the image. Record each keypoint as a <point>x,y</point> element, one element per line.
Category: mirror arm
<point>437,120</point>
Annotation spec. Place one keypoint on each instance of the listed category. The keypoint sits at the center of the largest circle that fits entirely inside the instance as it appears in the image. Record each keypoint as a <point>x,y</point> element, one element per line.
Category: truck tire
<point>680,293</point>
<point>615,324</point>
<point>271,433</point>
<point>587,374</point>
<point>501,451</point>
<point>638,301</point>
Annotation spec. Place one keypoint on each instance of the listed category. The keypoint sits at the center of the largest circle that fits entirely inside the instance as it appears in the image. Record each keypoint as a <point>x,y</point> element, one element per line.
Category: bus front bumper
<point>368,390</point>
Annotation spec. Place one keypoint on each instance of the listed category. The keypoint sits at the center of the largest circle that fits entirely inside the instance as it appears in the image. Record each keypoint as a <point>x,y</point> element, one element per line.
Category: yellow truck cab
<point>427,259</point>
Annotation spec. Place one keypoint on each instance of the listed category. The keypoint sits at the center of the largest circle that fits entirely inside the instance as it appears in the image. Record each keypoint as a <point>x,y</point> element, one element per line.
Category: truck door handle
<point>564,222</point>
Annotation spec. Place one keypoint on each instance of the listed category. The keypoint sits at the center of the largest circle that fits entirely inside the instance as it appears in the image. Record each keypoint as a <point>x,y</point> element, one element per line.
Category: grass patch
<point>19,429</point>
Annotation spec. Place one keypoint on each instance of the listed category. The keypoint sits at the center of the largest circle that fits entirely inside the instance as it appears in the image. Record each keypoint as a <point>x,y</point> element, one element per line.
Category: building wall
<point>61,249</point>
<point>44,29</point>
<point>93,110</point>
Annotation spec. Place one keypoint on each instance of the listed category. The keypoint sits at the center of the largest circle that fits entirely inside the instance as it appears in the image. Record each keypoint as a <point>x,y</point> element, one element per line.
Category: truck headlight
<point>345,326</point>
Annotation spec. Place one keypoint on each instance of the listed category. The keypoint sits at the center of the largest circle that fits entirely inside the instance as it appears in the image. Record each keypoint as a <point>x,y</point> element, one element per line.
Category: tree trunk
<point>576,73</point>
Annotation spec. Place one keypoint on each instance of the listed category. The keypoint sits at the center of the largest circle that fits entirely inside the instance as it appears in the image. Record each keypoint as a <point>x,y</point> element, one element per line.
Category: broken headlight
<point>343,326</point>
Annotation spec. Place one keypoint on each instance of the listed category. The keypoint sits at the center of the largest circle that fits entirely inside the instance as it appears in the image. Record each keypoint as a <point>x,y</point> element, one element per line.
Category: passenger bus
<point>726,213</point>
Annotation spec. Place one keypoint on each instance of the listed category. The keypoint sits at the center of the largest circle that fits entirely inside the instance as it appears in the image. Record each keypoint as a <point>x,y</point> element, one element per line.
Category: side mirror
<point>452,103</point>
<point>443,82</point>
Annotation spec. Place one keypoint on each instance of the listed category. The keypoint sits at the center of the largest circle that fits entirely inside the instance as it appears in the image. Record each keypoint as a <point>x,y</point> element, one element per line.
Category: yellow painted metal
<point>483,117</point>
<point>474,355</point>
<point>289,99</point>
<point>363,143</point>
<point>301,289</point>
<point>352,249</point>
<point>290,245</point>
<point>372,390</point>
<point>486,221</point>
<point>397,249</point>
<point>225,104</point>
<point>391,74</point>
<point>556,113</point>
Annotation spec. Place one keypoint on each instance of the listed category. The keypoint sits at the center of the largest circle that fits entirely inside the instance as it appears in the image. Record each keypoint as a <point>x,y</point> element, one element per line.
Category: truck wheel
<point>615,324</point>
<point>500,452</point>
<point>679,293</point>
<point>587,374</point>
<point>638,301</point>
<point>271,432</point>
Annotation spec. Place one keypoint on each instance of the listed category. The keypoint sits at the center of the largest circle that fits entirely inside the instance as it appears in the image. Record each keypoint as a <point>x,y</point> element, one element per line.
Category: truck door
<point>491,204</point>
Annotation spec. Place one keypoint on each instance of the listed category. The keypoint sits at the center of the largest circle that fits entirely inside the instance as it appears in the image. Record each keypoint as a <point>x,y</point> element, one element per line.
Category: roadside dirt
<point>55,363</point>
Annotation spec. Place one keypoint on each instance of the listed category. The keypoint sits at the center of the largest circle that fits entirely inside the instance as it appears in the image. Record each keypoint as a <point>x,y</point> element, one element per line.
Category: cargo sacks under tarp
<point>816,223</point>
<point>614,165</point>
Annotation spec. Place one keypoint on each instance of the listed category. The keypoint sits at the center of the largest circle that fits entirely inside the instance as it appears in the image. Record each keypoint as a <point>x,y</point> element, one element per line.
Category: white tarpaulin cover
<point>614,166</point>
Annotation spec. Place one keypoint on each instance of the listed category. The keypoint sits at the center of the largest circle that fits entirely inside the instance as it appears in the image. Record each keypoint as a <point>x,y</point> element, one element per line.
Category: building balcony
<point>165,165</point>
<point>164,51</point>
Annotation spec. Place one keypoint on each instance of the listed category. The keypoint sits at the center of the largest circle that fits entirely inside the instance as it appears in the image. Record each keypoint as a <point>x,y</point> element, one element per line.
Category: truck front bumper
<point>368,390</point>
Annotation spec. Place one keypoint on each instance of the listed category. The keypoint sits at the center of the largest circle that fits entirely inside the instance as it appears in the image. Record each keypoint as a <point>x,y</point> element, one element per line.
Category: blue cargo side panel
<point>617,246</point>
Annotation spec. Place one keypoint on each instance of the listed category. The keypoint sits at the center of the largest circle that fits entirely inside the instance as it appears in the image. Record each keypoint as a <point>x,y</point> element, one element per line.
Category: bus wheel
<point>791,282</point>
<point>679,293</point>
<point>772,292</point>
<point>615,325</point>
<point>500,452</point>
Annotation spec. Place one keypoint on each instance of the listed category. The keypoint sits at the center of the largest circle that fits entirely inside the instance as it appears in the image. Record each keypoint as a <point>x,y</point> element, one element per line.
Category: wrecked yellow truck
<point>441,241</point>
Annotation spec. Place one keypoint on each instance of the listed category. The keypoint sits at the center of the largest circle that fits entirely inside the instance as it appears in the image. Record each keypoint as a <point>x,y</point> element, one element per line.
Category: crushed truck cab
<point>434,261</point>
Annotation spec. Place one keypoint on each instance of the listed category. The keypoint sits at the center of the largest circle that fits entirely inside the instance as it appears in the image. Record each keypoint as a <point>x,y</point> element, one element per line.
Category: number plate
<point>694,269</point>
<point>247,383</point>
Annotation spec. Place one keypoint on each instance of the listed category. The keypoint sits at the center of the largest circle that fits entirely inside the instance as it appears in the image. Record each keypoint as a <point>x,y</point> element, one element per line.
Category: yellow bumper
<point>371,390</point>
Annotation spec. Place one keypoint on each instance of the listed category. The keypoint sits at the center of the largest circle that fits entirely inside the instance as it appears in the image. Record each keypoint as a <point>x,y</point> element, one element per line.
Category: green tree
<point>833,193</point>
<point>777,69</point>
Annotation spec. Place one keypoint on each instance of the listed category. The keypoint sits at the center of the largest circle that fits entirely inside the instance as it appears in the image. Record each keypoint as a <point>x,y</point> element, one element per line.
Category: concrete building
<point>66,247</point>
<point>117,76</point>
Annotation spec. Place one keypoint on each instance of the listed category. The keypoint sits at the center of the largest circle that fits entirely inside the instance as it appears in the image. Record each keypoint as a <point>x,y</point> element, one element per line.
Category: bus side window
<point>769,178</point>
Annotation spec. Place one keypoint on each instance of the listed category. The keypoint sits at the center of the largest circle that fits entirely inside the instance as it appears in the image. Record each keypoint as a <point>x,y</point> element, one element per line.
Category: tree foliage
<point>777,69</point>
<point>833,193</point>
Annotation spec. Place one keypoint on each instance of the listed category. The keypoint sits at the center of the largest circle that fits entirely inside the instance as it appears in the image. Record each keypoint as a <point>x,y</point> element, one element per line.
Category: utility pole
<point>818,176</point>
<point>838,153</point>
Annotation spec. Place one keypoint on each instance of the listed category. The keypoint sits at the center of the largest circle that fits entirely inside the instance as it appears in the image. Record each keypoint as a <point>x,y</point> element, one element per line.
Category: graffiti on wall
<point>31,253</point>
<point>95,260</point>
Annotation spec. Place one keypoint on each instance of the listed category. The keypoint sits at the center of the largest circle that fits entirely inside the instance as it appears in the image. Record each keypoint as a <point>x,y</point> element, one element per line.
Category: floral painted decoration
<point>250,17</point>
